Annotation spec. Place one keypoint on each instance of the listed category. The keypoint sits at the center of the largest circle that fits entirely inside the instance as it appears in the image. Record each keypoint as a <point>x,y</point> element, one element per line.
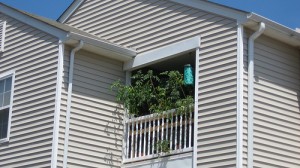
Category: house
<point>57,109</point>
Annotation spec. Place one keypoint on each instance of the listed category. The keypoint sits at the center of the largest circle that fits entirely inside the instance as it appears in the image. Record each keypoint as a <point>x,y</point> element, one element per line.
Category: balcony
<point>159,134</point>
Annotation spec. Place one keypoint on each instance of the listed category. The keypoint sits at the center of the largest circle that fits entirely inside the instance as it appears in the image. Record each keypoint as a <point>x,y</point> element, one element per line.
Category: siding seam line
<point>57,104</point>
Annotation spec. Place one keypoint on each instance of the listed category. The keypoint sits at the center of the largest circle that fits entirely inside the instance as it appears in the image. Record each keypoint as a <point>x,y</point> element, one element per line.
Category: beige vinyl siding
<point>33,55</point>
<point>217,99</point>
<point>143,25</point>
<point>96,120</point>
<point>276,105</point>
<point>146,25</point>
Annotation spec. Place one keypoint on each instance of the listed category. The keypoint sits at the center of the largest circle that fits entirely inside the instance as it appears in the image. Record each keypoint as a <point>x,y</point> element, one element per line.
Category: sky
<point>285,12</point>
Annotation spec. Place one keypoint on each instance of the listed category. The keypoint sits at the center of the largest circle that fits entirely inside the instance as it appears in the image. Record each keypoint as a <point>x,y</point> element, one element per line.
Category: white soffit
<point>211,7</point>
<point>162,53</point>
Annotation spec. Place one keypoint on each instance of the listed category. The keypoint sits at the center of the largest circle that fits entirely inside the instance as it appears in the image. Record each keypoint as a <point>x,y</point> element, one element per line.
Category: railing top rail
<point>154,115</point>
<point>142,118</point>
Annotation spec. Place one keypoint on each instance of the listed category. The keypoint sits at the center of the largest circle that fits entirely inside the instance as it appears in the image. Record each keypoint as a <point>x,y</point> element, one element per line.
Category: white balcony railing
<point>158,134</point>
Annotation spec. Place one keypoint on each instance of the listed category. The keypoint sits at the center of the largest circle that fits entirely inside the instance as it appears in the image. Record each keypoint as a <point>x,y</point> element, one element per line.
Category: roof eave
<point>60,34</point>
<point>274,29</point>
<point>102,47</point>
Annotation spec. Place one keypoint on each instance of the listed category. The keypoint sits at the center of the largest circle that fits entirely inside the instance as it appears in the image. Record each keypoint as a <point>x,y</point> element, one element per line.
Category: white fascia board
<point>228,12</point>
<point>33,22</point>
<point>162,53</point>
<point>274,29</point>
<point>71,9</point>
<point>126,53</point>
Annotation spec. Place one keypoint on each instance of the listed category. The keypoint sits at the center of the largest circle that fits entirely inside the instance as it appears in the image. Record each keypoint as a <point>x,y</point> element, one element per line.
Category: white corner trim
<point>196,106</point>
<point>69,101</point>
<point>215,8</point>
<point>3,36</point>
<point>162,53</point>
<point>251,91</point>
<point>33,22</point>
<point>65,16</point>
<point>57,104</point>
<point>240,96</point>
<point>125,131</point>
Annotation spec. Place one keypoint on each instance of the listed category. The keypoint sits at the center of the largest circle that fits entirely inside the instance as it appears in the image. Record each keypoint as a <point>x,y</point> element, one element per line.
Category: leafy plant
<point>163,146</point>
<point>151,93</point>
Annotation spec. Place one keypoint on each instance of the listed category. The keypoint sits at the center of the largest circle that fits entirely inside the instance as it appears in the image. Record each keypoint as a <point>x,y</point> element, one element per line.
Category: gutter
<point>126,53</point>
<point>68,113</point>
<point>251,39</point>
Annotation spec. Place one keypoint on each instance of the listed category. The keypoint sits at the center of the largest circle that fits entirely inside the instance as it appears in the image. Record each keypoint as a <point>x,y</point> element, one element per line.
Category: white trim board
<point>32,22</point>
<point>4,75</point>
<point>240,96</point>
<point>162,53</point>
<point>59,82</point>
<point>71,9</point>
<point>196,110</point>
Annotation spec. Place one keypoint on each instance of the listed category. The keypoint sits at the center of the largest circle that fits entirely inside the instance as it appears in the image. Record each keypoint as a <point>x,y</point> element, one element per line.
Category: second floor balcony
<point>159,134</point>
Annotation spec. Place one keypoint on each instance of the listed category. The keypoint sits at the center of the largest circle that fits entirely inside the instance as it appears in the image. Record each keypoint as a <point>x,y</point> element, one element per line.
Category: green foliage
<point>150,93</point>
<point>163,146</point>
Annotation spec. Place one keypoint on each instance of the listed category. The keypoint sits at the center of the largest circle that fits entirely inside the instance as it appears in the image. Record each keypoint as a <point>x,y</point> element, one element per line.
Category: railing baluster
<point>153,134</point>
<point>171,132</point>
<point>140,139</point>
<point>158,125</point>
<point>176,118</point>
<point>127,142</point>
<point>185,129</point>
<point>136,138</point>
<point>144,149</point>
<point>149,134</point>
<point>162,128</point>
<point>190,131</point>
<point>132,139</point>
<point>180,136</point>
<point>167,126</point>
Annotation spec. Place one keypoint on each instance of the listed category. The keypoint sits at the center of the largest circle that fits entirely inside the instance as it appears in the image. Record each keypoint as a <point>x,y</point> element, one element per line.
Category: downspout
<point>68,113</point>
<point>251,39</point>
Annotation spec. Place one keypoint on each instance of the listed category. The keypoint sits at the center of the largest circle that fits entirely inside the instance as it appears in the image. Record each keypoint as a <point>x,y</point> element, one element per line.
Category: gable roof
<point>248,19</point>
<point>69,35</point>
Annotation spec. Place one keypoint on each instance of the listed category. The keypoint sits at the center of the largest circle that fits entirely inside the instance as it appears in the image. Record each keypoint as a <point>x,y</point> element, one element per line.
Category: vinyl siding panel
<point>144,24</point>
<point>96,125</point>
<point>33,55</point>
<point>216,142</point>
<point>149,24</point>
<point>276,104</point>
